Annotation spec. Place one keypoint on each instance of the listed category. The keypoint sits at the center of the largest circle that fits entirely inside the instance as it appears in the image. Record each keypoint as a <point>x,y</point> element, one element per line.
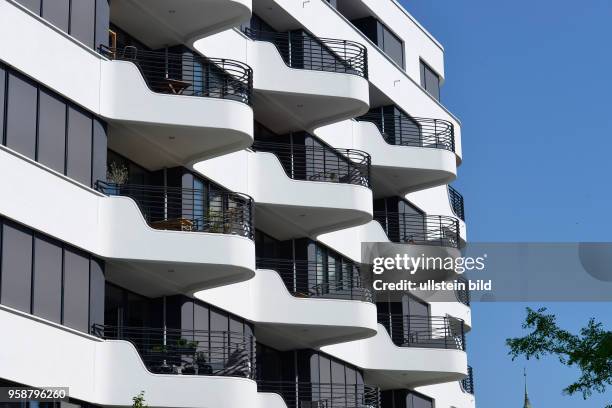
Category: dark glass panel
<point>82,21</point>
<point>16,267</point>
<point>96,292</point>
<point>57,12</point>
<point>47,302</point>
<point>21,116</point>
<point>76,290</point>
<point>78,161</point>
<point>51,131</point>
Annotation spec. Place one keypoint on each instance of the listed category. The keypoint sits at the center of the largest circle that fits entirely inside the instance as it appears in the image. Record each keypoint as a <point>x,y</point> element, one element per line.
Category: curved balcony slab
<point>173,129</point>
<point>389,366</point>
<point>114,229</point>
<point>307,208</point>
<point>389,81</point>
<point>289,99</point>
<point>287,322</point>
<point>436,200</point>
<point>177,128</point>
<point>107,373</point>
<point>163,22</point>
<point>349,243</point>
<point>396,170</point>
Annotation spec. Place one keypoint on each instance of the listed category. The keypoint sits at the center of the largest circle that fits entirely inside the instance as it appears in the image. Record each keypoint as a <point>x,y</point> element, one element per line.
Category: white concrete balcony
<point>295,201</point>
<point>152,257</point>
<point>163,22</point>
<point>391,366</point>
<point>422,159</point>
<point>104,372</point>
<point>159,123</point>
<point>289,321</point>
<point>390,84</point>
<point>419,43</point>
<point>289,98</point>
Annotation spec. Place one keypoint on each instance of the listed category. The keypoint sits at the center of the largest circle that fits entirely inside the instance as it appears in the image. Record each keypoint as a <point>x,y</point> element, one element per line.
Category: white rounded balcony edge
<point>114,228</point>
<point>308,207</point>
<point>304,322</point>
<point>188,21</point>
<point>308,98</point>
<point>117,92</point>
<point>108,373</point>
<point>390,366</point>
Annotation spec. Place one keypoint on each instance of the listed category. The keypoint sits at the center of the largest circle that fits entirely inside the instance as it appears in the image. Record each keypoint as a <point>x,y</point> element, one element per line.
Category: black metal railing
<point>323,395</point>
<point>467,384</point>
<point>304,51</point>
<point>188,352</point>
<point>187,209</point>
<point>404,130</point>
<point>456,201</point>
<point>310,279</point>
<point>441,332</point>
<point>419,229</point>
<point>188,74</point>
<point>320,163</point>
<point>463,295</point>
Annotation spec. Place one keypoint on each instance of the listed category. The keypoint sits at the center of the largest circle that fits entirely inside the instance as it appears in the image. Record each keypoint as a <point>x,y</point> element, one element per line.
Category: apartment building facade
<point>186,188</point>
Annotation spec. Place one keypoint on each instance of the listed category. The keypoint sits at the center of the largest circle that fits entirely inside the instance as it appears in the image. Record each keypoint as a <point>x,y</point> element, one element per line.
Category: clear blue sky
<point>532,83</point>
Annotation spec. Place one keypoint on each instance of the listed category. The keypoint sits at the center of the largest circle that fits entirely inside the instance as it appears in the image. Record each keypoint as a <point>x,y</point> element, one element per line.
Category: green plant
<point>117,173</point>
<point>139,401</point>
<point>590,350</point>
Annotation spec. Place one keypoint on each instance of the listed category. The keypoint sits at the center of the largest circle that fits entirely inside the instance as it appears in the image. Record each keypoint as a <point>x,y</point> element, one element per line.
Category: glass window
<point>99,151</point>
<point>33,5</point>
<point>76,290</point>
<point>21,116</point>
<point>393,46</point>
<point>78,161</point>
<point>430,81</point>
<point>82,21</point>
<point>47,295</point>
<point>51,131</point>
<point>57,12</point>
<point>16,267</point>
<point>414,400</point>
<point>2,98</point>
<point>96,292</point>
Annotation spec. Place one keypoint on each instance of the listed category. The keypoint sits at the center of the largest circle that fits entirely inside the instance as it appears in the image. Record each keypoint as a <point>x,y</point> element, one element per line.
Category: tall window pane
<point>47,301</point>
<point>82,21</point>
<point>16,268</point>
<point>57,12</point>
<point>76,290</point>
<point>21,116</point>
<point>78,161</point>
<point>51,131</point>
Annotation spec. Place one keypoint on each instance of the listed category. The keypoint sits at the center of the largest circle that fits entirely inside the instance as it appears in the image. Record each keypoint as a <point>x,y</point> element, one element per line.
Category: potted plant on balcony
<point>116,175</point>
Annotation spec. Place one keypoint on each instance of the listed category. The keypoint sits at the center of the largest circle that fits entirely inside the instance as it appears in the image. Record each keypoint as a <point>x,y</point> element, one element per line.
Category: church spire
<point>527,403</point>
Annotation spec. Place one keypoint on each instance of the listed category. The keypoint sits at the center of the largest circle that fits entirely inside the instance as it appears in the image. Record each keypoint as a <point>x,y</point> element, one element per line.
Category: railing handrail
<point>414,131</point>
<point>328,54</point>
<point>467,384</point>
<point>171,208</point>
<point>463,295</point>
<point>197,75</point>
<point>456,201</point>
<point>326,395</point>
<point>303,278</point>
<point>317,159</point>
<point>406,330</point>
<point>419,229</point>
<point>188,351</point>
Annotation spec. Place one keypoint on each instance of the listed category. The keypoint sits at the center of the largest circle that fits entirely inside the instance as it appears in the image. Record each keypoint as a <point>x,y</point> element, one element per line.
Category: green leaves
<point>590,350</point>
